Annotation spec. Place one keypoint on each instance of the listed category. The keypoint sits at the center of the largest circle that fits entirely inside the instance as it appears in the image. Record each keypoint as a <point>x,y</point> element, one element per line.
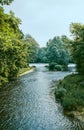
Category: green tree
<point>77,45</point>
<point>32,50</point>
<point>12,49</point>
<point>42,55</point>
<point>67,46</point>
<point>56,52</point>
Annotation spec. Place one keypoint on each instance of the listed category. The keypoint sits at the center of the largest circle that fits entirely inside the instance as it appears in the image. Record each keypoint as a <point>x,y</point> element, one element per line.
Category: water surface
<point>27,104</point>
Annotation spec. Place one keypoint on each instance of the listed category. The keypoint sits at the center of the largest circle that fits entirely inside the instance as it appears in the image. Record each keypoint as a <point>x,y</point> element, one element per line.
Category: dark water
<point>27,104</point>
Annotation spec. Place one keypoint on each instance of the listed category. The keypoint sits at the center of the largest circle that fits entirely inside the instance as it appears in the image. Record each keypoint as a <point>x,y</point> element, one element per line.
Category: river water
<point>27,104</point>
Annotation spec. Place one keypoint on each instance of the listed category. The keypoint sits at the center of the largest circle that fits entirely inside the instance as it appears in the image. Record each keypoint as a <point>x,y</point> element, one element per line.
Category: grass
<point>22,70</point>
<point>70,92</point>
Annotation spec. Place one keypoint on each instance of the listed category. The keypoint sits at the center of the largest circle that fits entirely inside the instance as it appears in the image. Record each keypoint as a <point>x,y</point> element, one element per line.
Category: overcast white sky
<point>44,19</point>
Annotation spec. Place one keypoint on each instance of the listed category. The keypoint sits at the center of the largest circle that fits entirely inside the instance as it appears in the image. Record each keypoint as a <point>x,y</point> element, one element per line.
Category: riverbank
<point>70,93</point>
<point>24,71</point>
<point>21,72</point>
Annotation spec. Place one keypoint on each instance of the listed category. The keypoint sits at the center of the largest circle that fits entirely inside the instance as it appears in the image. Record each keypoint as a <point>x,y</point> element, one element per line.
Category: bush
<point>65,67</point>
<point>52,66</point>
<point>59,93</point>
<point>58,67</point>
<point>3,80</point>
<point>70,92</point>
<point>69,103</point>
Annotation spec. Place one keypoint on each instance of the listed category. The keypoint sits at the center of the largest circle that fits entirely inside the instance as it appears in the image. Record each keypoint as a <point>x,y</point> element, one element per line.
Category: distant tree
<point>33,47</point>
<point>65,40</point>
<point>67,46</point>
<point>41,55</point>
<point>56,52</point>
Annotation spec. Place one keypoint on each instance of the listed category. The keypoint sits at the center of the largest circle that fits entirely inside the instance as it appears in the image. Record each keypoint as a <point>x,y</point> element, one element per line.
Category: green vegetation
<point>70,92</point>
<point>12,49</point>
<point>77,45</point>
<point>54,53</point>
<point>32,48</point>
<point>57,54</point>
<point>55,67</point>
<point>5,2</point>
<point>16,50</point>
<point>41,55</point>
<point>24,70</point>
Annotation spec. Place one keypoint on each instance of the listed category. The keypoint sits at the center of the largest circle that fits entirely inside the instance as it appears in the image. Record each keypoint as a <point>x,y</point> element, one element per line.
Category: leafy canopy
<point>56,53</point>
<point>12,49</point>
<point>77,45</point>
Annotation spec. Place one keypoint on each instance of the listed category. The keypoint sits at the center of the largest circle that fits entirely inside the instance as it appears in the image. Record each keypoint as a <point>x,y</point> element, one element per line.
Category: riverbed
<point>27,103</point>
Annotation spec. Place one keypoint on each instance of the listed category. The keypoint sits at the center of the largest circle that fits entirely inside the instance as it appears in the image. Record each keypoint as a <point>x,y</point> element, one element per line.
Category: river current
<point>27,103</point>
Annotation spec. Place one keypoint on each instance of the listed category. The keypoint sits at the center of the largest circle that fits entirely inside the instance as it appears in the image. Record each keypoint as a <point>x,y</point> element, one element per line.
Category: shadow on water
<point>26,104</point>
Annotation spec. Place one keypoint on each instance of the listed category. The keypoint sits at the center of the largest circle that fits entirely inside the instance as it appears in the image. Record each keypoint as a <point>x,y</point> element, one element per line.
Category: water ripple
<point>27,104</point>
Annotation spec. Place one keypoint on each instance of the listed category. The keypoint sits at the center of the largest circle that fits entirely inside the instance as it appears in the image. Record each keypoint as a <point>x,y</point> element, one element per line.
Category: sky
<point>45,19</point>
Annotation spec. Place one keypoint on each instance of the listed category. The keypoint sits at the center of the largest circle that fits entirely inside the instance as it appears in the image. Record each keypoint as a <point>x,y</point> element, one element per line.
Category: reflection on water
<point>26,104</point>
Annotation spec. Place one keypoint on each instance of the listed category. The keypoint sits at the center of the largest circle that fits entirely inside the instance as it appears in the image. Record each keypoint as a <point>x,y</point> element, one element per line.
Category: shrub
<point>52,66</point>
<point>70,92</point>
<point>59,93</point>
<point>69,103</point>
<point>58,67</point>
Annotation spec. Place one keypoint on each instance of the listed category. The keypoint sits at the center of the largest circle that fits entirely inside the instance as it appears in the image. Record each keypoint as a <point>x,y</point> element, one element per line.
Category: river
<point>27,103</point>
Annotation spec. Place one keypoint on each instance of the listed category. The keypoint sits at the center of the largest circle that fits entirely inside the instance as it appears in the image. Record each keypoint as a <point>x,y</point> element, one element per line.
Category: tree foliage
<point>77,45</point>
<point>33,47</point>
<point>12,49</point>
<point>5,2</point>
<point>56,53</point>
<point>42,55</point>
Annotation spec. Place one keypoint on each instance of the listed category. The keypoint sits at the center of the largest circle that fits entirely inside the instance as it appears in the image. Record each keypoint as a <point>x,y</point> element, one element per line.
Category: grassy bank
<point>25,70</point>
<point>21,72</point>
<point>70,92</point>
